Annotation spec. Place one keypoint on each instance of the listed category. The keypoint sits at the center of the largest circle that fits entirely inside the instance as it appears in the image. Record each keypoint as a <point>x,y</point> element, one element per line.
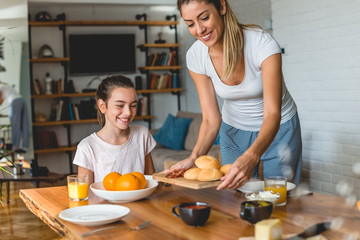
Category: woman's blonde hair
<point>105,88</point>
<point>233,36</point>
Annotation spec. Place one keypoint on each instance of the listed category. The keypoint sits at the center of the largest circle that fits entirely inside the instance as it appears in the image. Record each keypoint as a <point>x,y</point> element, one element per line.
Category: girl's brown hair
<point>233,36</point>
<point>105,88</point>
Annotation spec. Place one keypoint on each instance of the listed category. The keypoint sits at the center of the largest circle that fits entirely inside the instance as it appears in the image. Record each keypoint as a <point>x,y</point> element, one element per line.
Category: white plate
<point>125,196</point>
<point>94,215</point>
<point>256,186</point>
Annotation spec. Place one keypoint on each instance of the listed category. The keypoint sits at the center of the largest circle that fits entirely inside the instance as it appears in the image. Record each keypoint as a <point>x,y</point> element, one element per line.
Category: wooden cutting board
<point>194,184</point>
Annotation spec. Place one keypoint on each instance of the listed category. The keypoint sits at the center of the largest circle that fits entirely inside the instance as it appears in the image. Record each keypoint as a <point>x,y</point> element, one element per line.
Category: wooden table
<point>224,221</point>
<point>26,177</point>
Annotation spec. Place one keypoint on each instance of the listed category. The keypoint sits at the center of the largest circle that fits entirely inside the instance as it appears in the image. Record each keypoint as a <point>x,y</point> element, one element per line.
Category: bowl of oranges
<point>128,187</point>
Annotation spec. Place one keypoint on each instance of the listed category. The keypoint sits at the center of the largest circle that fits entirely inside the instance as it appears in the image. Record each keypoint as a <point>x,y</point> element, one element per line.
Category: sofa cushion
<point>194,128</point>
<point>173,133</point>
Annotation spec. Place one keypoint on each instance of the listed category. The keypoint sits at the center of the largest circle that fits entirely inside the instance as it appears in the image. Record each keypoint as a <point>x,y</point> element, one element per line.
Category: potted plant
<point>4,153</point>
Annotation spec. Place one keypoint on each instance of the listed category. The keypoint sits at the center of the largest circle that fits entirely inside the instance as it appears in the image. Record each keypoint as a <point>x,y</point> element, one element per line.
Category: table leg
<point>8,192</point>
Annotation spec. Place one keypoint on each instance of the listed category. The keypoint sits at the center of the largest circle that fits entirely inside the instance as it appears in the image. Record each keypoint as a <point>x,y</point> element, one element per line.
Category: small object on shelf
<point>43,17</point>
<point>46,51</point>
<point>39,117</point>
<point>48,82</point>
<point>69,87</point>
<point>60,17</point>
<point>160,40</point>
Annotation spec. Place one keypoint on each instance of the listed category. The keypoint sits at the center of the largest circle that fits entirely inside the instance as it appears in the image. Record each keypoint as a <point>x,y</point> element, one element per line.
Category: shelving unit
<point>62,25</point>
<point>171,46</point>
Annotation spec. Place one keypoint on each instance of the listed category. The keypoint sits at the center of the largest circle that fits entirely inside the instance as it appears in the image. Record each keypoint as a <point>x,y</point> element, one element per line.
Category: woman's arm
<point>85,171</point>
<point>149,165</point>
<point>241,171</point>
<point>211,120</point>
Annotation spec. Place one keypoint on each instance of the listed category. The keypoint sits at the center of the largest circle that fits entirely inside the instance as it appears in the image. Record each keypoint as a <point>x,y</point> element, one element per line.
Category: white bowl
<point>258,196</point>
<point>124,196</point>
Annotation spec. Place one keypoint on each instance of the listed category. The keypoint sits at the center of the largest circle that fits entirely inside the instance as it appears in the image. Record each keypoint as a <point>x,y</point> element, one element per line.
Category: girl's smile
<point>121,108</point>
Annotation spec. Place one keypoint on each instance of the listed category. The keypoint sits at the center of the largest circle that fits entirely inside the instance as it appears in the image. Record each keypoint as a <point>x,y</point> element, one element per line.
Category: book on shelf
<point>175,81</point>
<point>46,139</point>
<point>76,112</point>
<point>153,80</point>
<point>162,59</point>
<point>171,61</point>
<point>53,113</point>
<point>59,110</point>
<point>144,107</point>
<point>154,59</point>
<point>56,86</point>
<point>138,109</point>
<point>71,114</point>
<point>37,87</point>
<point>164,81</point>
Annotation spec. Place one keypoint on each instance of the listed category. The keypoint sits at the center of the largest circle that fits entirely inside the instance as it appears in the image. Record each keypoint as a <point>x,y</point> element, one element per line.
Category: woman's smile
<point>206,37</point>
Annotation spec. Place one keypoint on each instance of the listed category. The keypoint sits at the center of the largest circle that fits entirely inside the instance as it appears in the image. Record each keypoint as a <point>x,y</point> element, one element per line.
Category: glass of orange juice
<point>277,184</point>
<point>78,187</point>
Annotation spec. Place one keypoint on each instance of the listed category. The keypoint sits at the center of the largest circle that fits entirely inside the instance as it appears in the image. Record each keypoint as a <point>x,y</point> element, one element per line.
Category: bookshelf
<point>63,62</point>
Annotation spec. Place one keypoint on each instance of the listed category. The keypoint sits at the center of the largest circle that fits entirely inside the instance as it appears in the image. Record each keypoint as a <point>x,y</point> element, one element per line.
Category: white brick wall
<point>321,66</point>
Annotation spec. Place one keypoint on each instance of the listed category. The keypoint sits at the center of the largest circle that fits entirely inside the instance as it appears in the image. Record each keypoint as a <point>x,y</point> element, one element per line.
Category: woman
<point>18,117</point>
<point>241,64</point>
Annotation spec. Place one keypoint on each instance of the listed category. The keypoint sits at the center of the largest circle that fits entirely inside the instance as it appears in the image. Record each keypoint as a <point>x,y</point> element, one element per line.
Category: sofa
<point>163,157</point>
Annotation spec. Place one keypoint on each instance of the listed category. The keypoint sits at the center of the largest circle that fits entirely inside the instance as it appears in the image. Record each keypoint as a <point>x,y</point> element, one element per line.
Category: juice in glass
<point>281,189</point>
<point>277,184</point>
<point>78,187</point>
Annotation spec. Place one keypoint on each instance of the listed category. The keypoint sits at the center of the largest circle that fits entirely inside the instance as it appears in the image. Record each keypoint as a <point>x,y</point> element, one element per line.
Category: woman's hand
<point>184,164</point>
<point>240,171</point>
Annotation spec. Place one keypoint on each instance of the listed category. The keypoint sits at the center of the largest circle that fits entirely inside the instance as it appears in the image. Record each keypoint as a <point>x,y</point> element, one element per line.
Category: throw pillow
<point>173,133</point>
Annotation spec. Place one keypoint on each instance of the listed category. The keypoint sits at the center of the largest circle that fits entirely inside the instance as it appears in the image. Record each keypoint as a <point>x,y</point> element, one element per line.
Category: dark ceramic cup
<point>255,211</point>
<point>193,213</point>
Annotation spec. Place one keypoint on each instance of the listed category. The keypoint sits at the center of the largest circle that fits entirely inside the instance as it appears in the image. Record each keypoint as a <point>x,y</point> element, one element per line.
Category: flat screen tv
<point>102,54</point>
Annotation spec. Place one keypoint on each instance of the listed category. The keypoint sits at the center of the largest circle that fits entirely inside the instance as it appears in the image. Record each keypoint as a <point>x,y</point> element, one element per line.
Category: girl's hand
<point>184,164</point>
<point>240,171</point>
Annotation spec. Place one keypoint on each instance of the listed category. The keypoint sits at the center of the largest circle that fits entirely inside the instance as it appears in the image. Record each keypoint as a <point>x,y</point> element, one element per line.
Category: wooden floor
<point>17,222</point>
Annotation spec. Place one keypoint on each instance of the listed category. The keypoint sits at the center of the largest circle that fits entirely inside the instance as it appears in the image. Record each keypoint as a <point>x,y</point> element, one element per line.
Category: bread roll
<point>192,173</point>
<point>225,168</point>
<point>207,161</point>
<point>209,174</point>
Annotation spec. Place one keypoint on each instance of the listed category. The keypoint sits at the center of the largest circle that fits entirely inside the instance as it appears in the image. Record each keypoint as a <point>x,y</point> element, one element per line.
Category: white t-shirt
<point>8,93</point>
<point>243,103</point>
<point>102,158</point>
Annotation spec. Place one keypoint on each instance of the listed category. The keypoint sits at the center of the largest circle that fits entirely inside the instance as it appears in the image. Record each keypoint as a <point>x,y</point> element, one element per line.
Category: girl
<point>242,64</point>
<point>117,147</point>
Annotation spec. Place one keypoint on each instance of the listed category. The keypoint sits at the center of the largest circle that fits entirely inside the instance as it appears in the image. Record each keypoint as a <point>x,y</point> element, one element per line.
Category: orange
<point>127,182</point>
<point>142,179</point>
<point>110,179</point>
<point>358,205</point>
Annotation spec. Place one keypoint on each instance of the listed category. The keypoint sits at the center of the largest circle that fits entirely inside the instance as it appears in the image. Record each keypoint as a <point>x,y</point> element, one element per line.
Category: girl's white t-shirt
<point>243,103</point>
<point>102,158</point>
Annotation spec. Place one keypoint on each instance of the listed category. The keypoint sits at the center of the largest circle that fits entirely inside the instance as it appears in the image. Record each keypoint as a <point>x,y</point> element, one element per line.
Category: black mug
<point>255,211</point>
<point>193,213</point>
